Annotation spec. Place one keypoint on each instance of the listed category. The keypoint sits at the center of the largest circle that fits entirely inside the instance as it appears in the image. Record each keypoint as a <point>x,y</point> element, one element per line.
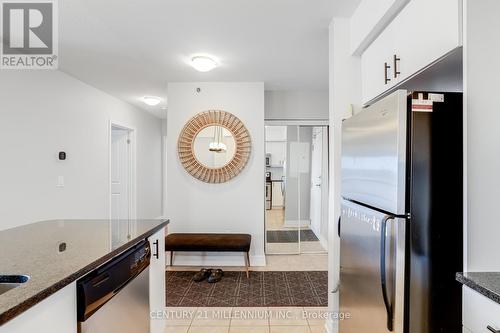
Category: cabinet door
<point>275,133</point>
<point>55,314</point>
<point>426,31</point>
<point>480,312</point>
<point>157,291</point>
<point>373,65</point>
<point>277,195</point>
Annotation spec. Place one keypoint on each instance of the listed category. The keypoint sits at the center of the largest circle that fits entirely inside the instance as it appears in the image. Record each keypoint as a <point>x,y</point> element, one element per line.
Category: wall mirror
<point>214,146</point>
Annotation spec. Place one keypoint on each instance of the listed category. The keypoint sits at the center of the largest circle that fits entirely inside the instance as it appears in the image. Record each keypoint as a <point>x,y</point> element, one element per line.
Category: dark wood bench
<point>209,242</point>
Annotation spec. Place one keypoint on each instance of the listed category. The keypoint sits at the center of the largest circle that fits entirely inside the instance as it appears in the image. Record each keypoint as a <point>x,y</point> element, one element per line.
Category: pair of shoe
<point>211,275</point>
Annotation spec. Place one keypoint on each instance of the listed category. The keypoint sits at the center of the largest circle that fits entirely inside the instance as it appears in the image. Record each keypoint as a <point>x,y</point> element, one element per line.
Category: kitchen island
<point>485,283</point>
<point>481,292</point>
<point>53,255</point>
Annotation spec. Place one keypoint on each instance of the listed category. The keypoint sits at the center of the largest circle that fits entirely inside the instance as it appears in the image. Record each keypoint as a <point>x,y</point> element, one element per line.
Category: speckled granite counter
<point>485,283</point>
<point>56,253</point>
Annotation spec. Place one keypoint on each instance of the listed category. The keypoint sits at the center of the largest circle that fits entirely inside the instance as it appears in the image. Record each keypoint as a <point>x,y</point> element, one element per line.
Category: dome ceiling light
<point>203,63</point>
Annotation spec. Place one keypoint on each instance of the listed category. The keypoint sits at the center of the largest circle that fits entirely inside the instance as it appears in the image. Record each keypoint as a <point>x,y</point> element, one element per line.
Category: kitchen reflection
<point>296,187</point>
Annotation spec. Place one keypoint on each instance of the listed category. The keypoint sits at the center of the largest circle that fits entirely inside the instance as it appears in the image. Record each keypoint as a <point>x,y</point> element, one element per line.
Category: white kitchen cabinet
<point>275,133</point>
<point>426,31</point>
<point>277,150</point>
<point>480,312</point>
<point>157,280</point>
<point>277,195</point>
<point>422,33</point>
<point>376,77</point>
<point>55,314</point>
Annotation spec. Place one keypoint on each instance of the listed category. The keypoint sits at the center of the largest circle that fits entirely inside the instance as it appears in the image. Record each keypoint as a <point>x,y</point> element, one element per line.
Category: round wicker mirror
<point>214,146</point>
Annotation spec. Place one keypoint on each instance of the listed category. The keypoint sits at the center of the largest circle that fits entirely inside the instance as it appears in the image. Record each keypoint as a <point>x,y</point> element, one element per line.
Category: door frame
<point>310,123</point>
<point>132,166</point>
<point>323,213</point>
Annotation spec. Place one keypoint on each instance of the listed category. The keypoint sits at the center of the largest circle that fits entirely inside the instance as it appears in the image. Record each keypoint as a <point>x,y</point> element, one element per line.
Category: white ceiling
<point>132,48</point>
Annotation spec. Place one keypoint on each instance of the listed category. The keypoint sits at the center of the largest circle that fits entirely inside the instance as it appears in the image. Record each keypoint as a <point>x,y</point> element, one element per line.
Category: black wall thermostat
<point>62,155</point>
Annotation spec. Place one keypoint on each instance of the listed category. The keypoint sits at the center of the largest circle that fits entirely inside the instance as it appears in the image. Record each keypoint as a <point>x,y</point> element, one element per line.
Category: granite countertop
<point>56,253</point>
<point>485,283</point>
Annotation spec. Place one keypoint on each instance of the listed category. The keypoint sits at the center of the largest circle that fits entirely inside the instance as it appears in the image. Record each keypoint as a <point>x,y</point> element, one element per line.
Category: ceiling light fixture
<point>203,63</point>
<point>151,100</point>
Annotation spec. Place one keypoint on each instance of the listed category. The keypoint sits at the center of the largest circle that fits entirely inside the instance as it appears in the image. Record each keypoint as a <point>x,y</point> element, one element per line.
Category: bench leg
<point>247,264</point>
<point>171,258</point>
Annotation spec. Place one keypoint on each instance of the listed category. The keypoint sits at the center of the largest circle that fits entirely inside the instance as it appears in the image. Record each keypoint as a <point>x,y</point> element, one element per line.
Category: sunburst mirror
<point>214,146</point>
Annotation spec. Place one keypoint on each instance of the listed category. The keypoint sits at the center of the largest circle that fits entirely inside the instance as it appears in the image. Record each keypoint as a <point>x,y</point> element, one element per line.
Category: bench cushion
<point>210,242</point>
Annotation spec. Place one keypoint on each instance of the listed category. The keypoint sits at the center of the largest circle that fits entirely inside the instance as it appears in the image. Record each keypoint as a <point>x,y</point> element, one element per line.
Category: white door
<point>120,173</point>
<point>316,180</point>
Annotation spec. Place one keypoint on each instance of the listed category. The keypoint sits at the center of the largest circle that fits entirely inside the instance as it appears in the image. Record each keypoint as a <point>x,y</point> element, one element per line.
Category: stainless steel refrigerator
<point>401,226</point>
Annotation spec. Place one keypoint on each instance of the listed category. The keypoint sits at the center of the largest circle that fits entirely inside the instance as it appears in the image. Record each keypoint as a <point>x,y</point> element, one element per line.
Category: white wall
<point>236,206</point>
<point>44,112</point>
<point>345,90</point>
<point>369,20</point>
<point>296,105</point>
<point>482,79</point>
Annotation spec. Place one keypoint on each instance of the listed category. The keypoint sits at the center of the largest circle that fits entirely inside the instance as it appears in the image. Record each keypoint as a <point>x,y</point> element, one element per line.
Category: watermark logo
<point>29,34</point>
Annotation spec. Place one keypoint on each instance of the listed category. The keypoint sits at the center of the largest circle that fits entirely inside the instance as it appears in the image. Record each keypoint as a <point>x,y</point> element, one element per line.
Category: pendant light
<point>217,145</point>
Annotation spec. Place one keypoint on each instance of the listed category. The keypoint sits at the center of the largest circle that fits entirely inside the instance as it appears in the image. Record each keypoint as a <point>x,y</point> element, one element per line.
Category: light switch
<point>60,181</point>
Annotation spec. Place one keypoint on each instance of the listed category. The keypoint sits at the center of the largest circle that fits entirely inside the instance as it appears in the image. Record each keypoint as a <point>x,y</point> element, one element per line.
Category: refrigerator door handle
<point>338,226</point>
<point>383,275</point>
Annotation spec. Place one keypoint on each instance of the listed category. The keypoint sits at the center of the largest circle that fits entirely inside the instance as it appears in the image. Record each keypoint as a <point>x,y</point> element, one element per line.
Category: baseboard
<point>297,223</point>
<point>214,259</point>
<point>323,242</point>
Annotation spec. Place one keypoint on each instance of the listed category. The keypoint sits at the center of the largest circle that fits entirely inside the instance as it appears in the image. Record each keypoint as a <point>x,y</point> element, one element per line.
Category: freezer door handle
<point>383,275</point>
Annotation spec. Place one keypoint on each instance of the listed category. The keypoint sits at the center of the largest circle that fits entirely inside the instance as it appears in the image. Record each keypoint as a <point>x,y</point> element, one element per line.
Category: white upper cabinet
<point>275,133</point>
<point>426,31</point>
<point>376,66</point>
<point>422,33</point>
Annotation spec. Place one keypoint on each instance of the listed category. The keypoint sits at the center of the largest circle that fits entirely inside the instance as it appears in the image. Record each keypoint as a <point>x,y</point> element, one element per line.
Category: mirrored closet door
<point>296,189</point>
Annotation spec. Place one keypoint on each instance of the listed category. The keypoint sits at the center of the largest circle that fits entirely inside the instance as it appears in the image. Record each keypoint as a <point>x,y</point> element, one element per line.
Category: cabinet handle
<point>396,60</point>
<point>157,254</point>
<point>491,329</point>
<point>386,68</point>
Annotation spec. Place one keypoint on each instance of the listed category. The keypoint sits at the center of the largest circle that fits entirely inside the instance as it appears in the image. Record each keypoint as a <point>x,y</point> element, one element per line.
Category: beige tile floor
<point>304,248</point>
<point>303,262</point>
<point>245,320</point>
<point>275,219</point>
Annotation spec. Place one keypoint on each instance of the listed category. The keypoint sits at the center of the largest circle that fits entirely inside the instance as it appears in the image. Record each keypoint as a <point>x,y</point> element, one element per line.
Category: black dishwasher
<point>115,296</point>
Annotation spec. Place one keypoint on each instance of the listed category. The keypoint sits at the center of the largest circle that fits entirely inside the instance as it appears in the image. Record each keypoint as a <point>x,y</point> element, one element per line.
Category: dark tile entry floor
<point>290,236</point>
<point>261,289</point>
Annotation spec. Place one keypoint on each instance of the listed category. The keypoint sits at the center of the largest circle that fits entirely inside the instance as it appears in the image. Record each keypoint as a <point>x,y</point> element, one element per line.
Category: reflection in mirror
<point>214,146</point>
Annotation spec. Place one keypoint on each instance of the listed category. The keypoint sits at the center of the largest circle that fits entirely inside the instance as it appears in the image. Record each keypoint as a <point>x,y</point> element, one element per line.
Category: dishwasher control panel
<point>102,284</point>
